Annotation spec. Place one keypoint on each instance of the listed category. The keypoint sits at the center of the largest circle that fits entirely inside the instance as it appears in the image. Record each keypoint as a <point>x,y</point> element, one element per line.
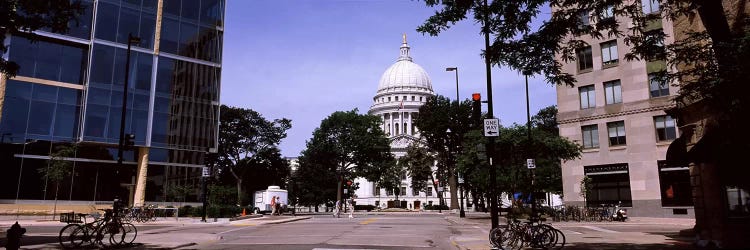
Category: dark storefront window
<point>610,184</point>
<point>675,185</point>
<point>186,105</point>
<point>738,201</point>
<point>80,27</point>
<point>49,59</point>
<point>190,28</point>
<point>115,21</point>
<point>103,112</point>
<point>55,110</point>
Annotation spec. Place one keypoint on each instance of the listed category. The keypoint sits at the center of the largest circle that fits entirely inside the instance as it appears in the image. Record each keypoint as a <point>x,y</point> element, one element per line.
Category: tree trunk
<point>452,182</point>
<point>239,192</point>
<point>54,207</point>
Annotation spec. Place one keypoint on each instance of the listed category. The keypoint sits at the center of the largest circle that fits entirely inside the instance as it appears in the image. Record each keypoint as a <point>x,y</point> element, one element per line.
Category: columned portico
<point>403,88</point>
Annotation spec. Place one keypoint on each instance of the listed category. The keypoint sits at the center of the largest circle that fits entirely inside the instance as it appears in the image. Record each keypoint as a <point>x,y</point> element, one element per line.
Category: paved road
<point>371,231</point>
<point>326,232</point>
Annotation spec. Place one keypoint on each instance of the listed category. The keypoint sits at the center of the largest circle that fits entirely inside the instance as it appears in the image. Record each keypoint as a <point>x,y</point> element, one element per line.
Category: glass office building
<point>69,90</point>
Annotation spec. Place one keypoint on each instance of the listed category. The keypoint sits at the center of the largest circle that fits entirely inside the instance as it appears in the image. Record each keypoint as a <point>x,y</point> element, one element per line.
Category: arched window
<point>396,131</point>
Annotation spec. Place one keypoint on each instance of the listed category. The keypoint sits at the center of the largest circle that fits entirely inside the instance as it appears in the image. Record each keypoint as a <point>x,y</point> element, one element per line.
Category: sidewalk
<point>167,237</point>
<point>636,233</point>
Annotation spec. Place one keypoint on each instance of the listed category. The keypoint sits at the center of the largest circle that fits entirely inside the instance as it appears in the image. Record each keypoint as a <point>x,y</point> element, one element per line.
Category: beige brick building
<point>616,112</point>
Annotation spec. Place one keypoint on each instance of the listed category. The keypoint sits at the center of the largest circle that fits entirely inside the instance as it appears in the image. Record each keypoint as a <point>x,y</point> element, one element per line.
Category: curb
<point>288,220</point>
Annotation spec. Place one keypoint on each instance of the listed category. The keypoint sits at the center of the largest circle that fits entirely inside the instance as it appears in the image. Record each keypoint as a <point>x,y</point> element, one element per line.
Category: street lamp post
<point>461,213</point>
<point>131,40</point>
<point>456,70</point>
<point>491,144</point>
<point>528,135</point>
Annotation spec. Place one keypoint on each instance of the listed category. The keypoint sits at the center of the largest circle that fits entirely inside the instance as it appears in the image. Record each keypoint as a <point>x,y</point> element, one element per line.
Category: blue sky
<point>305,59</point>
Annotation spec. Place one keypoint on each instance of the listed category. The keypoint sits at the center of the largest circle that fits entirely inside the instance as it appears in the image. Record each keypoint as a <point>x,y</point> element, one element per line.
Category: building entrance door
<point>416,205</point>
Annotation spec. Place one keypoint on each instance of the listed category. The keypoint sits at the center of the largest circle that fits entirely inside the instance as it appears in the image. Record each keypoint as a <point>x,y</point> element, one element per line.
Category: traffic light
<point>476,110</point>
<point>129,141</point>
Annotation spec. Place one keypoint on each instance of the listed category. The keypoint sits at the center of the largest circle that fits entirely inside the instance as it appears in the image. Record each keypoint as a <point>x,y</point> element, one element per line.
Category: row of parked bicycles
<point>534,233</point>
<point>139,214</point>
<point>605,212</point>
<point>104,231</point>
<point>112,229</point>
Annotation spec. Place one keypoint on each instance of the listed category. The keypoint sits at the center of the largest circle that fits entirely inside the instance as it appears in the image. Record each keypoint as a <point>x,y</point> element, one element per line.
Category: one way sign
<point>491,127</point>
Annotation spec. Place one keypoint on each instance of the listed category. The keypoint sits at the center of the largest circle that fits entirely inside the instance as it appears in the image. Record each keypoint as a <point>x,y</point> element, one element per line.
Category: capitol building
<point>404,87</point>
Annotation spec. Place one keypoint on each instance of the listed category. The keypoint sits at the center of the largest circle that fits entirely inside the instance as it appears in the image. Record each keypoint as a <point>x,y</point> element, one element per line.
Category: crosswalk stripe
<point>599,229</point>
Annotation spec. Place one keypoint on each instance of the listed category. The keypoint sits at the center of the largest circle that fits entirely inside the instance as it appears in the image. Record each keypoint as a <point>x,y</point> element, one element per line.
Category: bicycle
<point>534,233</point>
<point>109,227</point>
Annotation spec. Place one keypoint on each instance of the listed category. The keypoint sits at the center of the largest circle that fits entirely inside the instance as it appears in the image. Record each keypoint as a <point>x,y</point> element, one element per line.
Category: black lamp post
<point>131,40</point>
<point>528,135</point>
<point>461,214</point>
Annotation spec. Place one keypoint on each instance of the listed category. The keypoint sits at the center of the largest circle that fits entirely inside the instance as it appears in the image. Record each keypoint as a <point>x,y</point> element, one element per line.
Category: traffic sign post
<point>492,127</point>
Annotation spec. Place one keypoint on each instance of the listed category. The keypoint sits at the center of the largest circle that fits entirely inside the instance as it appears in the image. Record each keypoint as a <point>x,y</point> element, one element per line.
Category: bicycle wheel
<point>71,236</point>
<point>112,232</point>
<point>494,236</point>
<point>130,233</point>
<point>559,239</point>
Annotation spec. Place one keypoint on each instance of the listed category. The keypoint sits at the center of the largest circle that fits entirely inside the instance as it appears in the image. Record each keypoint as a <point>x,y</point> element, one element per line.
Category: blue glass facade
<point>69,90</point>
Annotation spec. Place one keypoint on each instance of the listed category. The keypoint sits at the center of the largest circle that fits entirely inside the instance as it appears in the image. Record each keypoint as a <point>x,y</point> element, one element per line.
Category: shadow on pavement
<point>629,246</point>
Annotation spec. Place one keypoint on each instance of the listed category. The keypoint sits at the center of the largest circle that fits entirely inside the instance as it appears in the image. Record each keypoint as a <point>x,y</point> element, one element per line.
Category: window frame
<point>612,90</point>
<point>610,53</point>
<point>590,91</point>
<point>593,131</point>
<point>666,128</point>
<point>619,140</point>
<point>585,58</point>
<point>657,90</point>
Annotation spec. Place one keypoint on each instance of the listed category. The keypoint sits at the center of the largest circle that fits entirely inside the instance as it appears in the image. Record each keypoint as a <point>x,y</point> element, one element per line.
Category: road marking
<point>599,229</point>
<point>368,221</point>
<point>266,236</point>
<point>483,231</point>
<point>232,230</point>
<point>571,231</point>
<point>244,224</point>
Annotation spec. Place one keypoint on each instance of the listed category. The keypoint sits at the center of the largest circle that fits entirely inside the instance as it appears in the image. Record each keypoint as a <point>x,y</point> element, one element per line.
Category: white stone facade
<point>403,88</point>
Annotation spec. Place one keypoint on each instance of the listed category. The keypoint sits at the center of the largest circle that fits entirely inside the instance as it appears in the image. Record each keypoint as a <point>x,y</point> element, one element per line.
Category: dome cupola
<point>404,74</point>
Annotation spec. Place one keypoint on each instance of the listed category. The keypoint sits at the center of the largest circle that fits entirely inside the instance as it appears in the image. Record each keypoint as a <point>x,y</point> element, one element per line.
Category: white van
<point>262,199</point>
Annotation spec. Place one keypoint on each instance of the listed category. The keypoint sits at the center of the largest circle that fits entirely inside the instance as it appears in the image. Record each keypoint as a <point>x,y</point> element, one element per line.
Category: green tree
<point>350,145</point>
<point>390,179</point>
<point>27,16</point>
<point>437,117</point>
<point>266,168</point>
<point>513,148</point>
<point>58,168</point>
<point>312,182</point>
<point>245,138</point>
<point>418,164</point>
<point>711,61</point>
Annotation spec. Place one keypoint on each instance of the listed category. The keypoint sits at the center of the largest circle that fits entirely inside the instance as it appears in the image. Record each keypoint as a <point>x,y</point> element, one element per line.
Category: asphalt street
<point>370,231</point>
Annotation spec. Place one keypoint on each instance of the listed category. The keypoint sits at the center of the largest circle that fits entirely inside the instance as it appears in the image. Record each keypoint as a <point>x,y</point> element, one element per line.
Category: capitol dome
<point>404,74</point>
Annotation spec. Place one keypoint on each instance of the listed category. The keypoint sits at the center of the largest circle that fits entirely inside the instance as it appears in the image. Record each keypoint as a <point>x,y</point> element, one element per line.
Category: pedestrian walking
<point>273,205</point>
<point>351,206</point>
<point>278,205</point>
<point>337,209</point>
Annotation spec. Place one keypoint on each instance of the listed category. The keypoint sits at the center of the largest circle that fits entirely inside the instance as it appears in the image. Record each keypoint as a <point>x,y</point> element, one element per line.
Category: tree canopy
<point>28,16</point>
<point>347,145</point>
<point>708,61</point>
<point>437,117</point>
<point>248,142</point>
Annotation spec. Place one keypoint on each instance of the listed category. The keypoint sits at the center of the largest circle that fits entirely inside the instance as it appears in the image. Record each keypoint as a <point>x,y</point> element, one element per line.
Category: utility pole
<point>491,143</point>
<point>528,135</point>
<point>121,144</point>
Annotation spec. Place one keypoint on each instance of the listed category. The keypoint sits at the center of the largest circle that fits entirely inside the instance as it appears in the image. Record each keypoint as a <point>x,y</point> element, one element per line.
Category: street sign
<point>206,172</point>
<point>491,127</point>
<point>440,189</point>
<point>530,164</point>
